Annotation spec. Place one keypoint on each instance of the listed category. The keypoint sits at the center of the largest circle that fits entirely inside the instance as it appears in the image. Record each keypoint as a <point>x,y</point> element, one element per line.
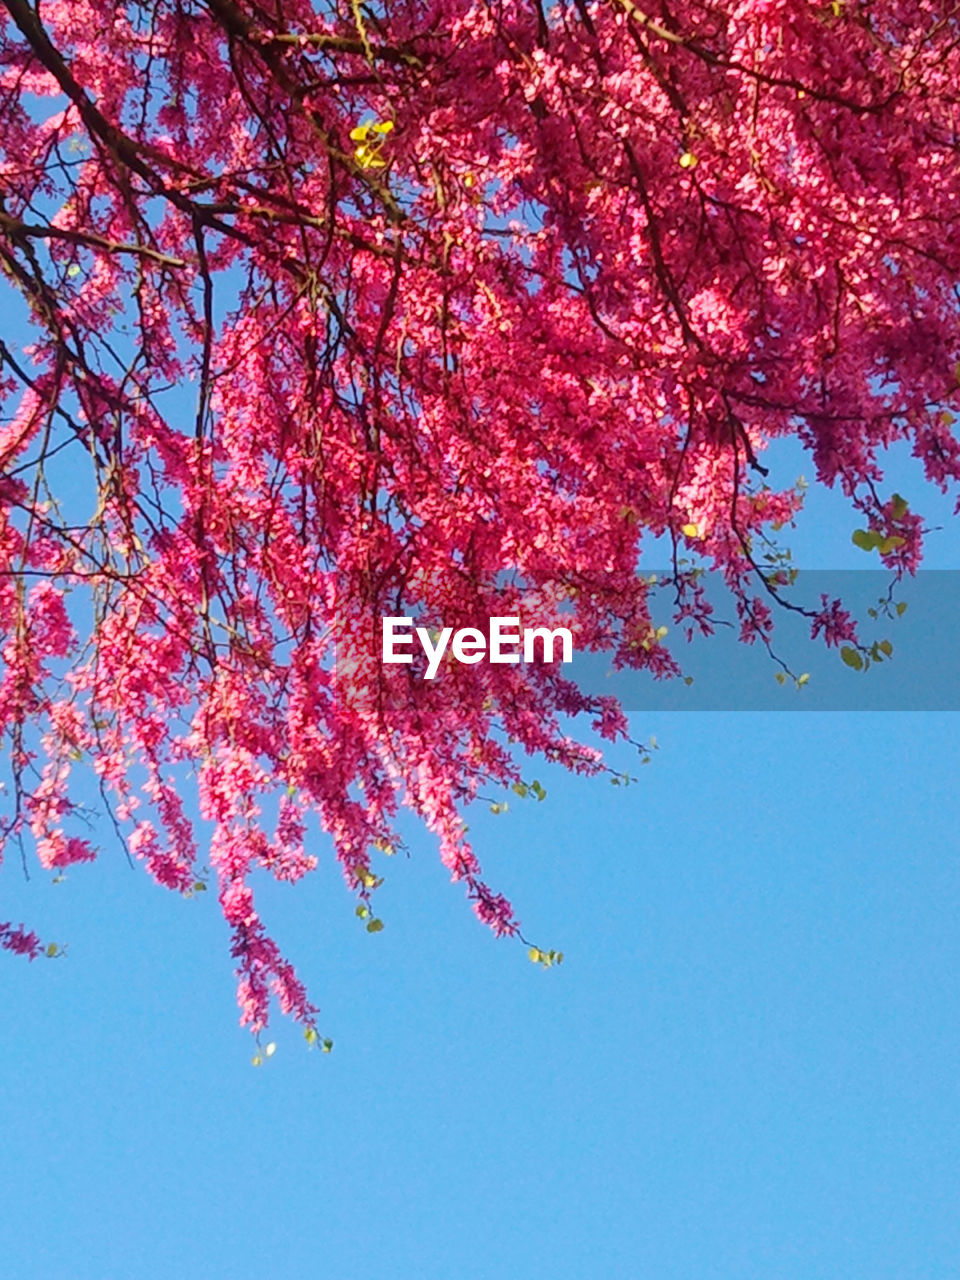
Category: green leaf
<point>899,507</point>
<point>885,647</point>
<point>890,544</point>
<point>803,679</point>
<point>780,677</point>
<point>901,608</point>
<point>866,539</point>
<point>852,657</point>
<point>374,926</point>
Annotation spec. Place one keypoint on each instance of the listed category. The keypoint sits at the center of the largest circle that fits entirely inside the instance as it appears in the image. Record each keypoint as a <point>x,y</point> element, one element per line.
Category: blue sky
<point>744,1070</point>
<point>746,1066</point>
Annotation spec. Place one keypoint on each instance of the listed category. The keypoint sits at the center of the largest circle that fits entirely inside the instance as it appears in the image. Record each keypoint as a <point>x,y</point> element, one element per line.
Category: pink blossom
<point>472,310</point>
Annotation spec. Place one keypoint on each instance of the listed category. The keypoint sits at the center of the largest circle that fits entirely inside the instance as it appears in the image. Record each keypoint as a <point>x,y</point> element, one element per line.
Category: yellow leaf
<point>359,133</point>
<point>690,530</point>
<point>368,158</point>
<point>688,160</point>
<point>384,126</point>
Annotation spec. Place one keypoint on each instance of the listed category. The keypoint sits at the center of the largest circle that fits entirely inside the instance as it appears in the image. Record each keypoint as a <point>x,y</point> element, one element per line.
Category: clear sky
<point>746,1068</point>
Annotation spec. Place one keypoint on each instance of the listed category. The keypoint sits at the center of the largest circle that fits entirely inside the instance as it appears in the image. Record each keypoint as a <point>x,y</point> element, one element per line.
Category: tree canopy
<point>435,308</point>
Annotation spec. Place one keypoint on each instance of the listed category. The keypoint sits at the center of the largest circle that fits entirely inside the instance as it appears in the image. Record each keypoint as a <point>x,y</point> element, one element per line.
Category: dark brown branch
<point>14,227</point>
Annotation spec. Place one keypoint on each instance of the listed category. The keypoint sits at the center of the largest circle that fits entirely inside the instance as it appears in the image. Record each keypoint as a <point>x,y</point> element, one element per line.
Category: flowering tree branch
<point>444,311</point>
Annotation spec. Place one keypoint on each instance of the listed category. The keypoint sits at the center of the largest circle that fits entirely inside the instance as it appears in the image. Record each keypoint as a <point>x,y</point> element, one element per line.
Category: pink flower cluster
<point>446,317</point>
